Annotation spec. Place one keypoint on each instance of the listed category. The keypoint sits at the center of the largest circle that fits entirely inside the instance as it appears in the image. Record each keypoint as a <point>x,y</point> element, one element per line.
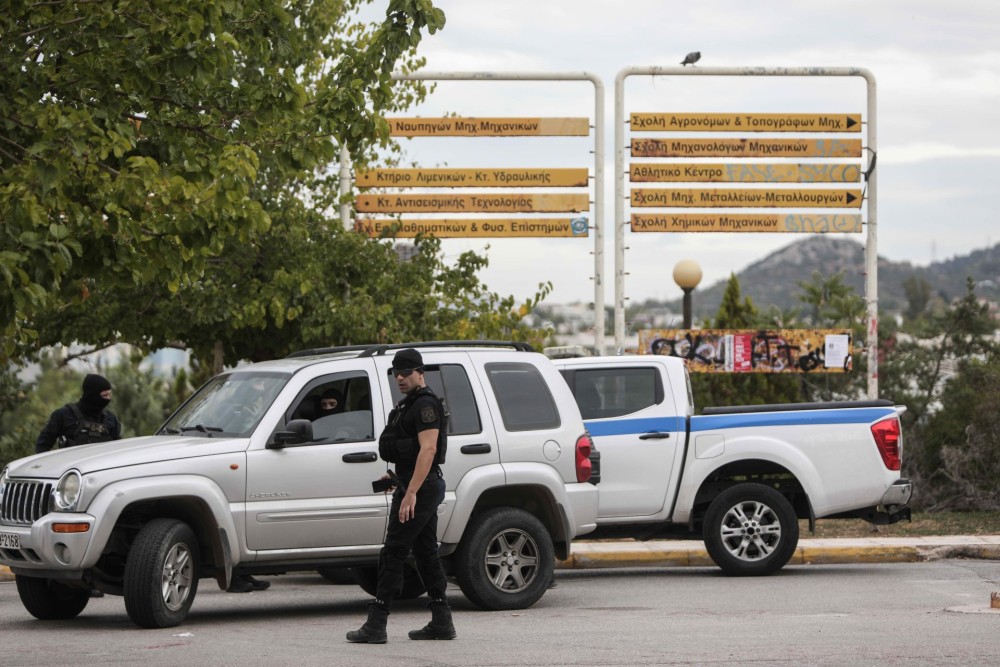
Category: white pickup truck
<point>743,476</point>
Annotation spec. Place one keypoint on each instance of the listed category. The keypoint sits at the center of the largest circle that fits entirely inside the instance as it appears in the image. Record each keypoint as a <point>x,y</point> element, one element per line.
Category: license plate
<point>10,541</point>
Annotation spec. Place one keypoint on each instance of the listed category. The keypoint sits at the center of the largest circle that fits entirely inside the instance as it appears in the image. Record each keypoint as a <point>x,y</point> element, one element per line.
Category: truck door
<point>635,430</point>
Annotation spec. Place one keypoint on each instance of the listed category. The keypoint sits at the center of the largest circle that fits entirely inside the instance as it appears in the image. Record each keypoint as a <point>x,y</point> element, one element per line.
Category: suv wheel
<point>750,530</point>
<point>50,600</point>
<point>161,574</point>
<point>506,560</point>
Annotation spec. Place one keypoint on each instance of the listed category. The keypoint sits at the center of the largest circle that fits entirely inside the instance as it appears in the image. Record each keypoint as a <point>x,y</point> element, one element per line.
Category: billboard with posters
<point>753,351</point>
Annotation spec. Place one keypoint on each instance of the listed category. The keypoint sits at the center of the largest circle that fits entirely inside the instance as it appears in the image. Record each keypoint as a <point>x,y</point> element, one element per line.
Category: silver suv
<point>247,477</point>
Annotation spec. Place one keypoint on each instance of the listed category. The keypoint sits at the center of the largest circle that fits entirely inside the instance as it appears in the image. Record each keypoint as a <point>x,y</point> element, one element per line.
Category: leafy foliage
<point>142,141</point>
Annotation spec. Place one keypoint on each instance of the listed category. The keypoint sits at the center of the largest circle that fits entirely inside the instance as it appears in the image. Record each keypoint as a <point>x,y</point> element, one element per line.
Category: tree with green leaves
<point>140,142</point>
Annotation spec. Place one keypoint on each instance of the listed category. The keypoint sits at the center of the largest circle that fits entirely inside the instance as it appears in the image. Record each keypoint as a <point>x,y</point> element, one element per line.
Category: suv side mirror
<point>296,432</point>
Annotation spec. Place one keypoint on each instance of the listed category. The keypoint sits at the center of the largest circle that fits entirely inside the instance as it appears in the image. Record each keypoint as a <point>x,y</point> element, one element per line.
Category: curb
<point>596,555</point>
<point>6,574</point>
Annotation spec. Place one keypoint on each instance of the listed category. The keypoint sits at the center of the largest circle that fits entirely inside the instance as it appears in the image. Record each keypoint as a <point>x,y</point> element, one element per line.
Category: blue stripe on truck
<point>753,419</point>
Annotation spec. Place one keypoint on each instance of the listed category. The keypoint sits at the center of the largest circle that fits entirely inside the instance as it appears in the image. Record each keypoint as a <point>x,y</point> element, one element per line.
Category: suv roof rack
<point>376,350</point>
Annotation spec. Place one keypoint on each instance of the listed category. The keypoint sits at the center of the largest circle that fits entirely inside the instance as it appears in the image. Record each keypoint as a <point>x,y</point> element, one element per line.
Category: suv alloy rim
<point>178,572</point>
<point>750,530</point>
<point>512,560</point>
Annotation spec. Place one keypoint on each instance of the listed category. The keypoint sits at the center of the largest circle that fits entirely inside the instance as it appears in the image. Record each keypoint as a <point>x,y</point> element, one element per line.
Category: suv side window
<point>523,397</point>
<point>351,419</point>
<point>451,383</point>
<point>613,392</point>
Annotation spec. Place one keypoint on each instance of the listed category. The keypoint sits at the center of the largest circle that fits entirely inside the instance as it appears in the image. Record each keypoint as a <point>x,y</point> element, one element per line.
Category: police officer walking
<point>415,440</point>
<point>83,422</point>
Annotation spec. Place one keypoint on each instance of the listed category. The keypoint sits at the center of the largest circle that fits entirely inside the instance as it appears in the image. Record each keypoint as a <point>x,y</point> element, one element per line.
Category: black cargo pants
<point>419,534</point>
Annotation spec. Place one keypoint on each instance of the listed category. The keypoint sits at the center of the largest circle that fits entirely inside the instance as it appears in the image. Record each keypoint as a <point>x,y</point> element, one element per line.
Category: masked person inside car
<point>415,440</point>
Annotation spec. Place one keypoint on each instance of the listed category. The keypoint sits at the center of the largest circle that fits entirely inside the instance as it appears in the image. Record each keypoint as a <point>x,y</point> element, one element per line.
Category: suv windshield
<point>229,405</point>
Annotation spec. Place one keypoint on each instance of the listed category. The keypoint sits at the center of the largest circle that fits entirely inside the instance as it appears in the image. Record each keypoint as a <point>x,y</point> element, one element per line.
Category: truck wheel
<point>161,574</point>
<point>505,561</point>
<point>750,530</point>
<point>50,600</point>
<point>367,578</point>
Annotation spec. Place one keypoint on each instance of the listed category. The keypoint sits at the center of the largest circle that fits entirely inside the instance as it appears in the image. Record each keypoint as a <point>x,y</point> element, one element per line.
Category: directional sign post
<point>827,157</point>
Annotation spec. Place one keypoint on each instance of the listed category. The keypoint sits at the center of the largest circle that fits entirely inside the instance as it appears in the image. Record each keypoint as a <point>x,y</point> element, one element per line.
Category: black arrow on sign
<point>850,197</point>
<point>851,122</point>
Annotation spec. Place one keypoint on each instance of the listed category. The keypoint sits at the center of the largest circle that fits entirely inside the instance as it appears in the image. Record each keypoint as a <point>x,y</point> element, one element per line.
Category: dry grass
<point>941,523</point>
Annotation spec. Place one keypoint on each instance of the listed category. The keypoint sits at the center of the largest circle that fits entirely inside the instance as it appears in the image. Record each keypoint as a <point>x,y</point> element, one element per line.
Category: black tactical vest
<point>396,446</point>
<point>87,429</point>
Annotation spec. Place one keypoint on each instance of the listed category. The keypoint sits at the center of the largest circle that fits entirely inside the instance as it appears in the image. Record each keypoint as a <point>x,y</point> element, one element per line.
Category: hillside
<point>773,281</point>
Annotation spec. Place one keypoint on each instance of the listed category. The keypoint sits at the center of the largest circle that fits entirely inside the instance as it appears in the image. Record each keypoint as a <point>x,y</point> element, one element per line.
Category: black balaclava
<point>331,393</point>
<point>91,402</point>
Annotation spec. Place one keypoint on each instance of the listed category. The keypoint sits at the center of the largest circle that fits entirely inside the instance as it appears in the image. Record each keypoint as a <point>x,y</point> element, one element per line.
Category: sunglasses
<point>402,372</point>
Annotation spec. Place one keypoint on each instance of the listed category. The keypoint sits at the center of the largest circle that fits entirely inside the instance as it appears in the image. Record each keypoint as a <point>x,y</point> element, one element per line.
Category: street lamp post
<point>687,275</point>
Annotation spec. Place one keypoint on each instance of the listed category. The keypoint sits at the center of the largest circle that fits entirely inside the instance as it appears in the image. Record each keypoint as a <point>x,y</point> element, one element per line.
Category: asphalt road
<point>887,614</point>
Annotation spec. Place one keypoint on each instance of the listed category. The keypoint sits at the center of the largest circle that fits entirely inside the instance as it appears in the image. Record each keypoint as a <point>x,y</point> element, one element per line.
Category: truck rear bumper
<point>898,494</point>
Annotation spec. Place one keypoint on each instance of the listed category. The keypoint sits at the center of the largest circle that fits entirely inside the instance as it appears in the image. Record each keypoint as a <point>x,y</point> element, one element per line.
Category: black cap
<point>406,359</point>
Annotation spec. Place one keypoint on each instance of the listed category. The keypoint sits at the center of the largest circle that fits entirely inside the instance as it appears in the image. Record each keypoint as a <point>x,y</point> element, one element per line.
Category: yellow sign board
<point>744,197</point>
<point>475,203</point>
<point>489,127</point>
<point>453,228</point>
<point>744,122</point>
<point>743,172</point>
<point>746,148</point>
<point>746,222</point>
<point>753,351</point>
<point>472,178</point>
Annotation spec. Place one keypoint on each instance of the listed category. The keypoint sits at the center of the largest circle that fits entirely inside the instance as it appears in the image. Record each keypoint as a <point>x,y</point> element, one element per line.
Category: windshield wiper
<point>168,431</point>
<point>201,428</point>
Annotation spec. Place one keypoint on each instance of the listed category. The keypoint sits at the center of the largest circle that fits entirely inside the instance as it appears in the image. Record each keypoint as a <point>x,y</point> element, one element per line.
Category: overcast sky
<point>937,67</point>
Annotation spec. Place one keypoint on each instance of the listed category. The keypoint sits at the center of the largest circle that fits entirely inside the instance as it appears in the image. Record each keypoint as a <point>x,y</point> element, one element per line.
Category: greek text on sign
<point>489,127</point>
<point>472,178</point>
<point>728,351</point>
<point>745,172</point>
<point>746,148</point>
<point>739,197</point>
<point>444,228</point>
<point>474,203</point>
<point>744,122</point>
<point>814,223</point>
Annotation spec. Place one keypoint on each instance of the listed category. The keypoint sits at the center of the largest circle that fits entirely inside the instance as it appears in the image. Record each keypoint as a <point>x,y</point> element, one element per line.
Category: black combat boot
<point>440,626</point>
<point>373,631</point>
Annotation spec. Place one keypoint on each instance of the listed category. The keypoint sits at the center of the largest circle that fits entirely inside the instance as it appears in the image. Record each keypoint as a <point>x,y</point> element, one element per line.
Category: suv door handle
<point>480,448</point>
<point>656,435</point>
<point>360,457</point>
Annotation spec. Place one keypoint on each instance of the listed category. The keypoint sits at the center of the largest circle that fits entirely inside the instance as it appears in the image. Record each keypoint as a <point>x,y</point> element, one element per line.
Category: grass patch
<point>939,523</point>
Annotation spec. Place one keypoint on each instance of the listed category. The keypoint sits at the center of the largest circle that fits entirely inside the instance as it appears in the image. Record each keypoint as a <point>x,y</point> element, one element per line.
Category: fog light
<point>61,552</point>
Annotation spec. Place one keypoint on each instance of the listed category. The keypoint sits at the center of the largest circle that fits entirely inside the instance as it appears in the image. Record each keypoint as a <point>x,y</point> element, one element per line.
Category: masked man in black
<point>415,440</point>
<point>83,422</point>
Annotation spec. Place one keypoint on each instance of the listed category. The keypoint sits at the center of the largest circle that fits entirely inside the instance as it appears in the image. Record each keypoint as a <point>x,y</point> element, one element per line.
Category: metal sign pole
<point>598,160</point>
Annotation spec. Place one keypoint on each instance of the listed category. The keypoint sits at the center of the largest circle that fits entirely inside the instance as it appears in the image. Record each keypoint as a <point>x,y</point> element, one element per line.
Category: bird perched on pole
<point>691,58</point>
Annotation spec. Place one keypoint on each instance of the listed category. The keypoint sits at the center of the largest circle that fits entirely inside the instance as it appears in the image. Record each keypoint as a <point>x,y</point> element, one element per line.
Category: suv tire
<point>50,600</point>
<point>506,561</point>
<point>161,574</point>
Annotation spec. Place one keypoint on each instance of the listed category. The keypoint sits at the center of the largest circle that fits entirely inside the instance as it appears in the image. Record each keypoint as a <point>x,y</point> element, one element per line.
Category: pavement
<point>691,553</point>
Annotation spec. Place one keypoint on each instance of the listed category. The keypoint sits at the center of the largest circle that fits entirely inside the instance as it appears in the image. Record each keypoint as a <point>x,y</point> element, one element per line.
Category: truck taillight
<point>583,465</point>
<point>886,433</point>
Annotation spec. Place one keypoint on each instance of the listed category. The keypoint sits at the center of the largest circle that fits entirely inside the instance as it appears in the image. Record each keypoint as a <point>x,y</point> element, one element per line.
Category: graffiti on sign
<point>729,351</point>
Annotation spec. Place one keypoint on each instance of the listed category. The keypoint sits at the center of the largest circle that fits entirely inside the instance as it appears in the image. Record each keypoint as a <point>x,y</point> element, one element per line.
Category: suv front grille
<point>25,502</point>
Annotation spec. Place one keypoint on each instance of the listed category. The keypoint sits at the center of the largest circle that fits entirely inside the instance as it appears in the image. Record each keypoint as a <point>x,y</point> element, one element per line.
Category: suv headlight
<point>66,495</point>
<point>3,483</point>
